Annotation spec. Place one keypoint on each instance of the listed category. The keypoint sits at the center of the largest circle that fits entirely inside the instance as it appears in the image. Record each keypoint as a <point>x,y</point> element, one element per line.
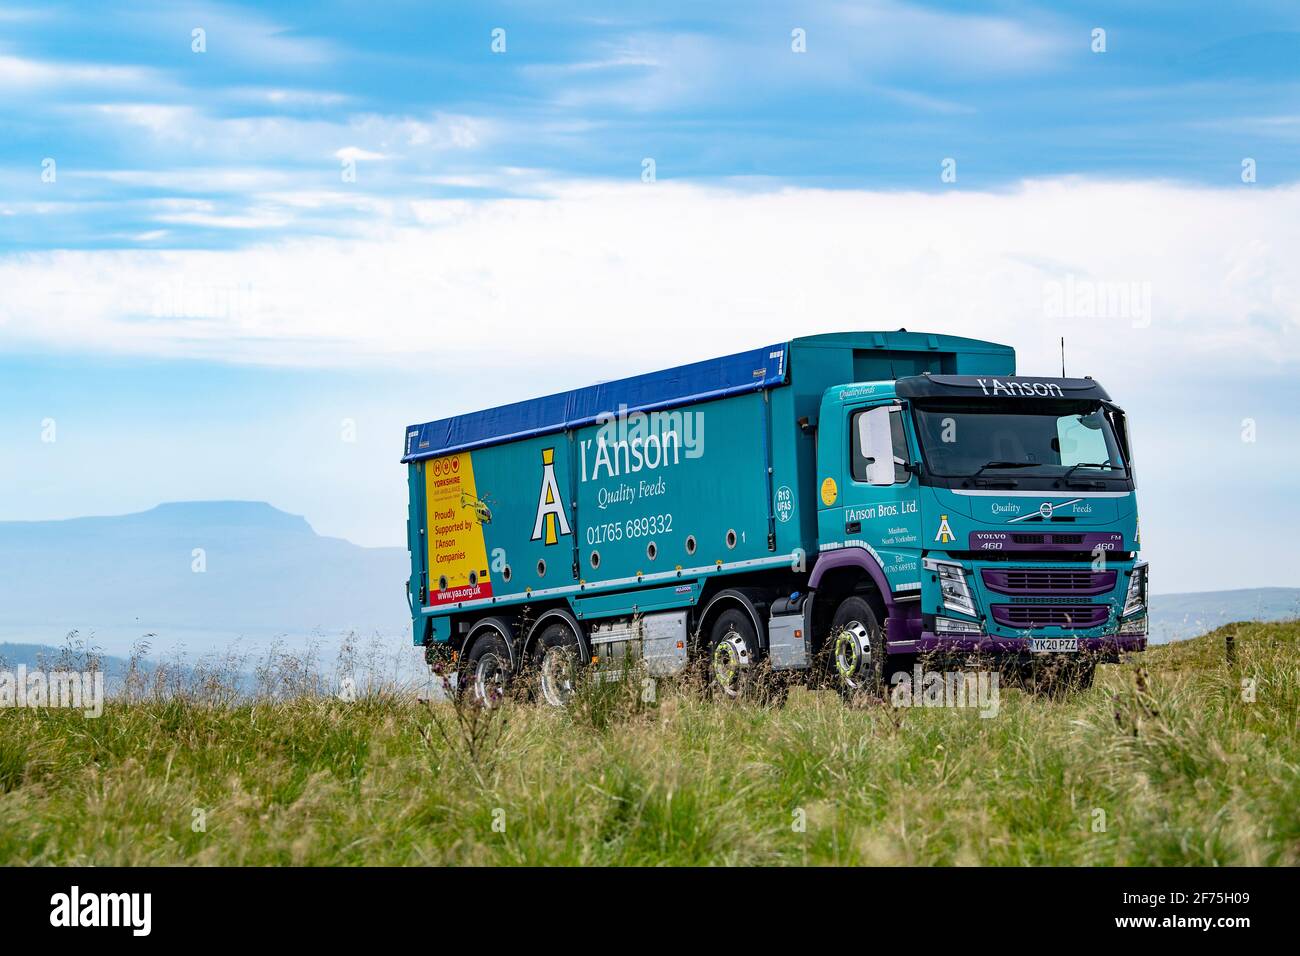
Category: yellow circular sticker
<point>829,491</point>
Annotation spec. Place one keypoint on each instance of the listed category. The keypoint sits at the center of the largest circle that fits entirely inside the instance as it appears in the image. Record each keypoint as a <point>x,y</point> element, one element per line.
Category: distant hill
<point>48,657</point>
<point>259,573</point>
<point>1175,617</point>
<point>267,574</point>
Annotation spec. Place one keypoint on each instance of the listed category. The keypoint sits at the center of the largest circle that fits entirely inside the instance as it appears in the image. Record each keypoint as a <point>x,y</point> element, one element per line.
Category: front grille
<point>1047,581</point>
<point>1050,615</point>
<point>1022,538</point>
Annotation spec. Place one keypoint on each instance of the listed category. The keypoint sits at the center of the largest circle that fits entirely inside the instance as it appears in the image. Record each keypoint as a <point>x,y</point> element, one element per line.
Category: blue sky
<point>160,147</point>
<point>200,296</point>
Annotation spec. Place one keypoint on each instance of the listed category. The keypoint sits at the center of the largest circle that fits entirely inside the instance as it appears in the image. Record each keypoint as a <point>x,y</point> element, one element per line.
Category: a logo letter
<point>550,509</point>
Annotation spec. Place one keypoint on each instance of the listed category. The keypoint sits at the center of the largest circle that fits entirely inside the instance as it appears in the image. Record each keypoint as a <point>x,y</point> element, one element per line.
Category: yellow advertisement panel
<point>458,565</point>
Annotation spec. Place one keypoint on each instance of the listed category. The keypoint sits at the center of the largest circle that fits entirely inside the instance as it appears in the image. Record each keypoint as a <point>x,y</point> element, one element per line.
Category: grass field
<point>1168,760</point>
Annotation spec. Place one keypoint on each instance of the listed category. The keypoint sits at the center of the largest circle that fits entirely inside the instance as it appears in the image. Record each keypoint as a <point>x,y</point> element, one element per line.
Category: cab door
<point>832,467</point>
<point>880,506</point>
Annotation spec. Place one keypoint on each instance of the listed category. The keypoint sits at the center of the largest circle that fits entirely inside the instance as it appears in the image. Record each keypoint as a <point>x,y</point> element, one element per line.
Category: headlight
<point>953,587</point>
<point>1136,599</point>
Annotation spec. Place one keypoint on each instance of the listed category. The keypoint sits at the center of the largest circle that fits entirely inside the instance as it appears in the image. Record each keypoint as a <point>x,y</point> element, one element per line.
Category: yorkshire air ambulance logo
<point>550,510</point>
<point>945,533</point>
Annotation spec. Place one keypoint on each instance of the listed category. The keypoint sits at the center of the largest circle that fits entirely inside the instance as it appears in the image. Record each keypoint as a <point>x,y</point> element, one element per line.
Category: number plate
<point>1053,645</point>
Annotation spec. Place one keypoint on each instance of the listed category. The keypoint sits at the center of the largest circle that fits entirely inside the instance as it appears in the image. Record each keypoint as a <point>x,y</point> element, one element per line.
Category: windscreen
<point>964,439</point>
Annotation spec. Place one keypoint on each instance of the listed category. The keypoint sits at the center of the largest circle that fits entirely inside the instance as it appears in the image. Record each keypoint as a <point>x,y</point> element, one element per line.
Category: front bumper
<point>992,643</point>
<point>1004,606</point>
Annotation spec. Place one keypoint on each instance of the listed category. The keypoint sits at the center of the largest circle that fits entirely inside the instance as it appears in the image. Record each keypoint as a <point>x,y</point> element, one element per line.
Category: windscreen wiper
<point>1004,464</point>
<point>1007,482</point>
<point>1088,464</point>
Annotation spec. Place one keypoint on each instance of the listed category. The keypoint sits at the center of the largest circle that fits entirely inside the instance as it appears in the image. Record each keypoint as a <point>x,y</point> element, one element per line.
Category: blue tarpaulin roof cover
<point>700,381</point>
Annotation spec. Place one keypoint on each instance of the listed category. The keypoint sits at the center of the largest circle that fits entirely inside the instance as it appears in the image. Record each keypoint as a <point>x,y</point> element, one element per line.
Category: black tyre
<point>487,671</point>
<point>857,648</point>
<point>558,659</point>
<point>733,654</point>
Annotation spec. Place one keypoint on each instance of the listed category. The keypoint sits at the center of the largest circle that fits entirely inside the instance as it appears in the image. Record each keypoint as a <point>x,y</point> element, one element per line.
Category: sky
<point>242,246</point>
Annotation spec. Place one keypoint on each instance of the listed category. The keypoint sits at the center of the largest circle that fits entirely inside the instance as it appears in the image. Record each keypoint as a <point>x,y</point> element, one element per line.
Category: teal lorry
<point>843,501</point>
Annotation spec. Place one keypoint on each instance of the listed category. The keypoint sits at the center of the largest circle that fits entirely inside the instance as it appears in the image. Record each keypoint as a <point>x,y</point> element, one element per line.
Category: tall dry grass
<point>1178,758</point>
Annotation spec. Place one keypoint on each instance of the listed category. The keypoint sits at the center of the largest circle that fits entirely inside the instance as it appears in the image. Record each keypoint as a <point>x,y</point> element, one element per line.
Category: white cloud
<point>289,98</point>
<point>873,49</point>
<point>497,300</point>
<point>356,152</point>
<point>632,277</point>
<point>208,137</point>
<point>161,120</point>
<point>256,220</point>
<point>236,33</point>
<point>617,60</point>
<point>18,72</point>
<point>209,180</point>
<point>886,35</point>
<point>643,71</point>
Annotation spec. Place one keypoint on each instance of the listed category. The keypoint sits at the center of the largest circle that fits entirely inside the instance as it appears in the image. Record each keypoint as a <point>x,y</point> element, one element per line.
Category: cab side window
<point>899,439</point>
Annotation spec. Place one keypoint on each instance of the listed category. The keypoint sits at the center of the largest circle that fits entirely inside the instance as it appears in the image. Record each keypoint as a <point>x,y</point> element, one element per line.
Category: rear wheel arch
<point>552,616</point>
<point>487,625</point>
<point>752,601</point>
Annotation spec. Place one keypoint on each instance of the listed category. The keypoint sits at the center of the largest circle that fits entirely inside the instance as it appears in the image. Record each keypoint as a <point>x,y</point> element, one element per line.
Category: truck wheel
<point>733,654</point>
<point>858,648</point>
<point>557,656</point>
<point>487,669</point>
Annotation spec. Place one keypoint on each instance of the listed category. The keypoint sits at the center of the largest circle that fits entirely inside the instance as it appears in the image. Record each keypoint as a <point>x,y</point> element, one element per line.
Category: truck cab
<point>999,509</point>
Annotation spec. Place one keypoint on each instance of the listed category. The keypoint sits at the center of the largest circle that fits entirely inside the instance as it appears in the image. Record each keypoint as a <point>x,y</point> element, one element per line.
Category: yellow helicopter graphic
<point>482,513</point>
